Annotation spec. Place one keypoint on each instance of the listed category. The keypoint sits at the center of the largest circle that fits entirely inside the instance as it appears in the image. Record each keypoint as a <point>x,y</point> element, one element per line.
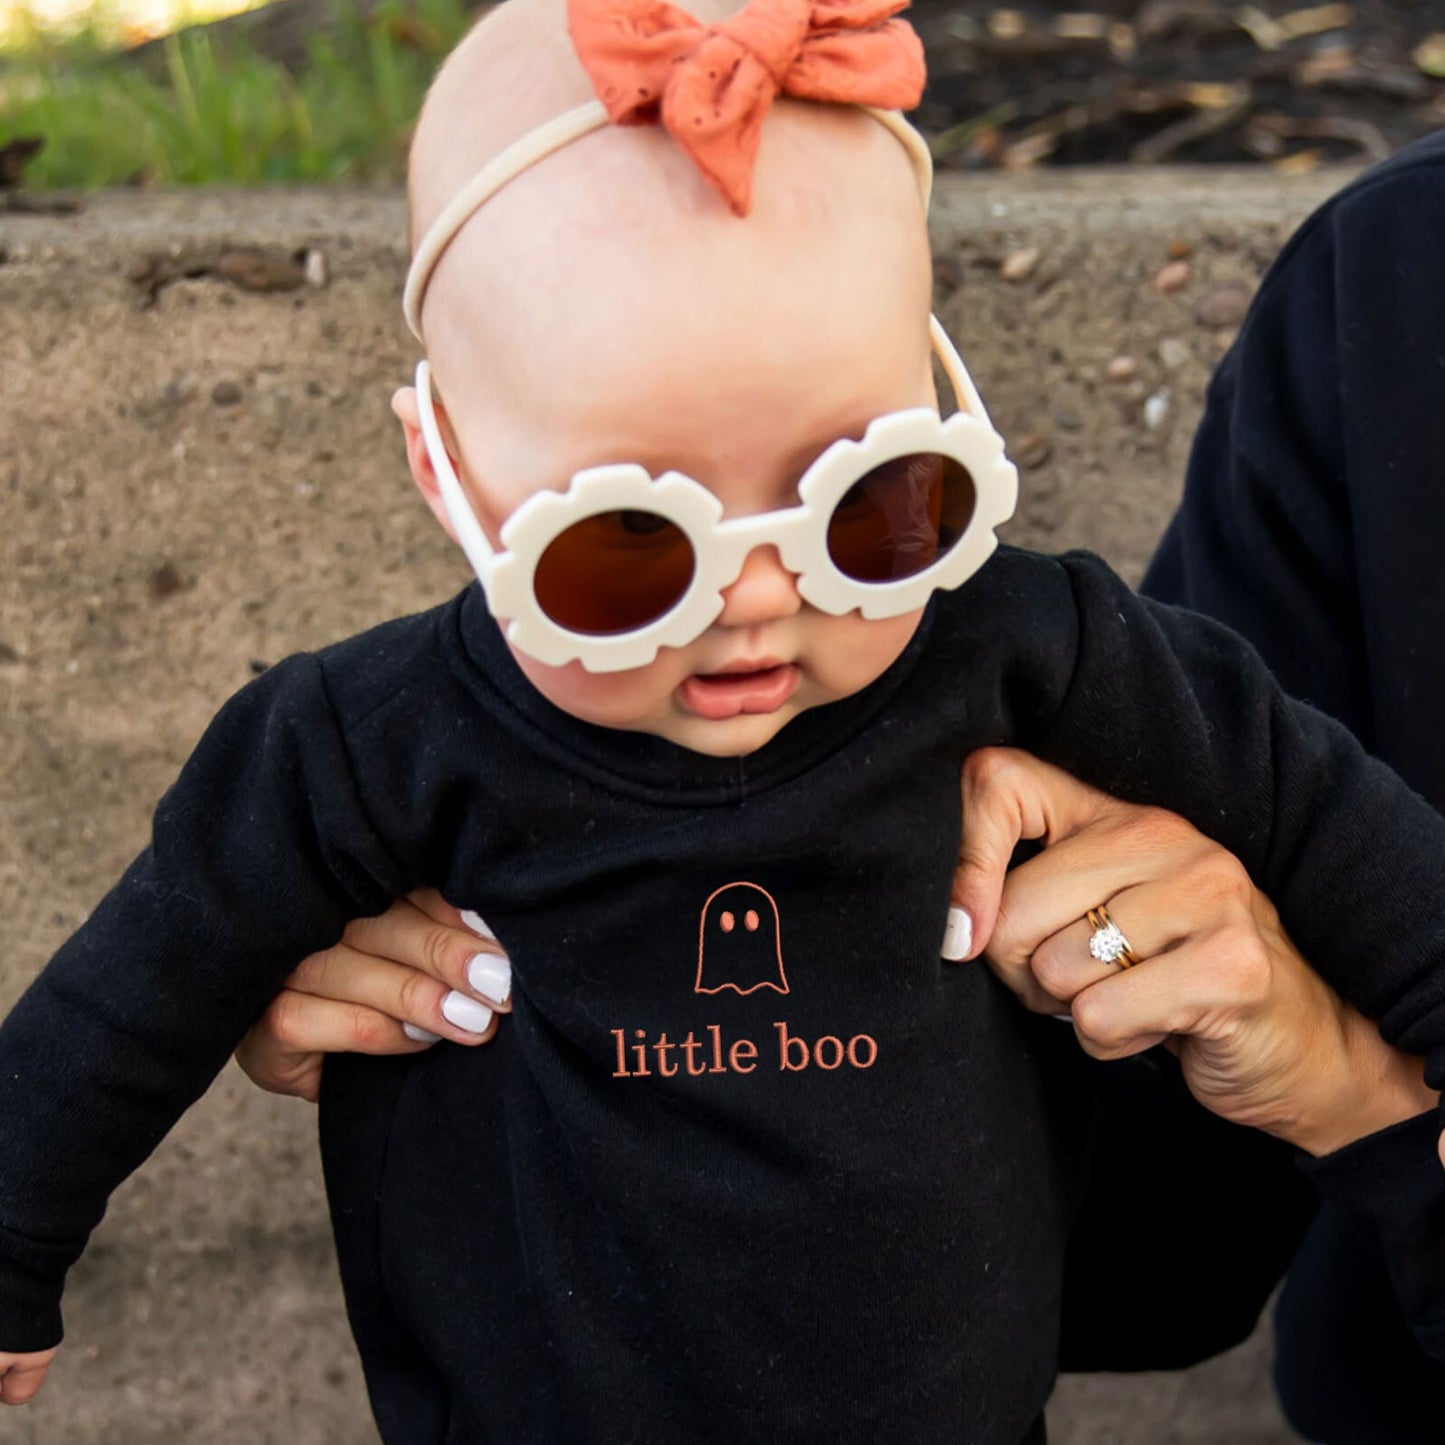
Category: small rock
<point>1122,368</point>
<point>1068,421</point>
<point>256,270</point>
<point>316,269</point>
<point>1033,450</point>
<point>164,582</point>
<point>1173,353</point>
<point>1429,56</point>
<point>1180,249</point>
<point>1156,409</point>
<point>226,393</point>
<point>1019,265</point>
<point>1008,25</point>
<point>257,667</point>
<point>1173,277</point>
<point>8,653</point>
<point>1223,305</point>
<point>947,273</point>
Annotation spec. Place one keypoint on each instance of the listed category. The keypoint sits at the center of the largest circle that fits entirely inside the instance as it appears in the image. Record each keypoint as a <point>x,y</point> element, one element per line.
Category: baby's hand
<point>22,1375</point>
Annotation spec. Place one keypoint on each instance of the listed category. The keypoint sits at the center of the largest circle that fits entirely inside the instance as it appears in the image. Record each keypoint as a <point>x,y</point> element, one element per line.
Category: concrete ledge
<point>198,478</point>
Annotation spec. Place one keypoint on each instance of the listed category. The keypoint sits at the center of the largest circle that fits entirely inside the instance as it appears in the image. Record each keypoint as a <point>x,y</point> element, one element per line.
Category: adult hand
<point>394,984</point>
<point>1261,1038</point>
<point>21,1375</point>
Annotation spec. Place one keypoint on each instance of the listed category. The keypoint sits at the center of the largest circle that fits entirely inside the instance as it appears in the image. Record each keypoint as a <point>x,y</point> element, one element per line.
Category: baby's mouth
<point>742,687</point>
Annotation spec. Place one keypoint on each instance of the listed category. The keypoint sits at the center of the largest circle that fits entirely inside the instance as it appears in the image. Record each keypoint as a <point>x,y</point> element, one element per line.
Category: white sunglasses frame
<point>721,547</point>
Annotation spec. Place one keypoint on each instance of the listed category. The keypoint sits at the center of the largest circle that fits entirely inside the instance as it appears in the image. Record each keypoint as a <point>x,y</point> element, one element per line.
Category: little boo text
<point>641,1057</point>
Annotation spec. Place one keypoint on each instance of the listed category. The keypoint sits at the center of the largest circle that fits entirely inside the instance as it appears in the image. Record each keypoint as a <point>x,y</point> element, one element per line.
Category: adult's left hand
<point>1261,1038</point>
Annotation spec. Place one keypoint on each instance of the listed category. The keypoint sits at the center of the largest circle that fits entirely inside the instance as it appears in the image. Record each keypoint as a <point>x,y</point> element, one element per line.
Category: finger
<point>1065,963</point>
<point>1007,796</point>
<point>1122,848</point>
<point>405,933</point>
<point>435,906</point>
<point>19,1383</point>
<point>302,1023</point>
<point>1202,989</point>
<point>403,993</point>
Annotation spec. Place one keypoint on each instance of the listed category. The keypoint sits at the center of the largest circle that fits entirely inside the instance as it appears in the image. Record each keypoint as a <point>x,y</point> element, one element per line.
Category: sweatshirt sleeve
<point>1391,1184</point>
<point>1313,515</point>
<point>260,854</point>
<point>1170,708</point>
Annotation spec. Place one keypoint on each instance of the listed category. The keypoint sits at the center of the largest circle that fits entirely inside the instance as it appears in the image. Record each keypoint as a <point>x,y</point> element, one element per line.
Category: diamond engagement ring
<point>1107,943</point>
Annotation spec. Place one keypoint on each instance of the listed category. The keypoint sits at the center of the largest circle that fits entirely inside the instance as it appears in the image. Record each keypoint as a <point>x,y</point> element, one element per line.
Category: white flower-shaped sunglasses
<point>621,563</point>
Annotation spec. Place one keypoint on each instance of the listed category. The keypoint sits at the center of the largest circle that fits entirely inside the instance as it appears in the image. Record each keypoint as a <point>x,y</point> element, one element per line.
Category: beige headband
<point>551,136</point>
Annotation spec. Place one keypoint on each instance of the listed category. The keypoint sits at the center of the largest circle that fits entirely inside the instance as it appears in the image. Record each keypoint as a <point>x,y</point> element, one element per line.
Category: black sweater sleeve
<point>1313,515</point>
<point>261,853</point>
<point>1171,708</point>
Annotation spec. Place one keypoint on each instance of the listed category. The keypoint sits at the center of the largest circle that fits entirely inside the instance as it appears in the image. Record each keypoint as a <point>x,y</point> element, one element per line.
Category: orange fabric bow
<point>712,85</point>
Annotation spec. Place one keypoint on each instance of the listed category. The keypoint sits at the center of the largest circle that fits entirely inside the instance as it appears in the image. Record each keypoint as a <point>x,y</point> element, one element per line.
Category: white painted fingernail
<point>466,1013</point>
<point>958,936</point>
<point>475,922</point>
<point>419,1035</point>
<point>490,975</point>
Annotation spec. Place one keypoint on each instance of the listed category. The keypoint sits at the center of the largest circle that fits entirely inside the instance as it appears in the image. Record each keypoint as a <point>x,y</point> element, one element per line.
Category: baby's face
<point>671,334</point>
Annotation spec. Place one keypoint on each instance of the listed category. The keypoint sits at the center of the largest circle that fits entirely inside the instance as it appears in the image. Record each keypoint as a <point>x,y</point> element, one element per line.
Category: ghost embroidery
<point>739,943</point>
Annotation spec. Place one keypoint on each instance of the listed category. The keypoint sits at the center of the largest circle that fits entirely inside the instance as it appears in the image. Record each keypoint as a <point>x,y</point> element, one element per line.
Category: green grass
<point>231,116</point>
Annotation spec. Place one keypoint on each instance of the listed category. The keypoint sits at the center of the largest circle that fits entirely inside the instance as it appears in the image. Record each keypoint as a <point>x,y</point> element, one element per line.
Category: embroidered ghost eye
<point>750,920</point>
<point>727,921</point>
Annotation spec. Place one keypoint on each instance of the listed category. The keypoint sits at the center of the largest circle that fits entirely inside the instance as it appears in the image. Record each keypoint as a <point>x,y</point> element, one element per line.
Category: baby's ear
<point>404,408</point>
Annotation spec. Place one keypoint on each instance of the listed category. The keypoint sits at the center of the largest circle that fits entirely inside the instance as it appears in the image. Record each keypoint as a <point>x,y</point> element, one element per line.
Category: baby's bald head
<point>623,211</point>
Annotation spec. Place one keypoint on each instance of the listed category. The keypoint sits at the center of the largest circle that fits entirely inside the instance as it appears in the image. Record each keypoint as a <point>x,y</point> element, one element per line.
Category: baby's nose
<point>764,590</point>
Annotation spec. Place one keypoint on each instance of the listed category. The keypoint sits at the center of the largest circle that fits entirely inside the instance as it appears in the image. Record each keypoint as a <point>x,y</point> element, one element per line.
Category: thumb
<point>1007,796</point>
<point>995,797</point>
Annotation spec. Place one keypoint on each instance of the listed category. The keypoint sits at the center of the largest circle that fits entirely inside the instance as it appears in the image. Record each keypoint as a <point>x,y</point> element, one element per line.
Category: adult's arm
<point>1260,1039</point>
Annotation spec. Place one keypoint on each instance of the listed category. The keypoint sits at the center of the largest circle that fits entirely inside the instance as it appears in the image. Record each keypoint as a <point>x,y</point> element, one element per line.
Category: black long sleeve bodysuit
<point>823,1207</point>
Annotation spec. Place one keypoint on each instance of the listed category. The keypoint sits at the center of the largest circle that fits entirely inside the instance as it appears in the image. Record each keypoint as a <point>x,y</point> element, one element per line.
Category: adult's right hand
<point>1261,1038</point>
<point>394,984</point>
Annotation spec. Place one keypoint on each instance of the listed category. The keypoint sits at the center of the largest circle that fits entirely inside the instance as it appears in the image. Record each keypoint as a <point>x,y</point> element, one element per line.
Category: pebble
<point>1180,249</point>
<point>226,393</point>
<point>164,582</point>
<point>8,653</point>
<point>1068,421</point>
<point>255,270</point>
<point>316,269</point>
<point>1008,25</point>
<point>1019,265</point>
<point>1156,409</point>
<point>1173,277</point>
<point>1173,353</point>
<point>947,273</point>
<point>1033,450</point>
<point>1122,368</point>
<point>1223,305</point>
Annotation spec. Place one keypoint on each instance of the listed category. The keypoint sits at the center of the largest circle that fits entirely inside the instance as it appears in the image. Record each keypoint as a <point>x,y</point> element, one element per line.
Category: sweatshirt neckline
<point>648,767</point>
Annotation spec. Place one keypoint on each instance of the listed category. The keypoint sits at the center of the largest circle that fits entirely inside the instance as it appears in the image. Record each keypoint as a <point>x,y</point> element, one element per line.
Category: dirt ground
<point>197,479</point>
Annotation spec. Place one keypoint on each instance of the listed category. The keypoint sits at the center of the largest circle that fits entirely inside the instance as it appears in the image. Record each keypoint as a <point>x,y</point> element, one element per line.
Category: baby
<point>749,1162</point>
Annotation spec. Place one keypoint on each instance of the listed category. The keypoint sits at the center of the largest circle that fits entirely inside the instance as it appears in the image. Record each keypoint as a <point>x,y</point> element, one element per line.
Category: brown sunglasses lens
<point>900,518</point>
<point>614,572</point>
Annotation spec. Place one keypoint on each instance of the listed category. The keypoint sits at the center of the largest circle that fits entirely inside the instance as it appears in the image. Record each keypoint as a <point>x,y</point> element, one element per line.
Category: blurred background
<point>148,92</point>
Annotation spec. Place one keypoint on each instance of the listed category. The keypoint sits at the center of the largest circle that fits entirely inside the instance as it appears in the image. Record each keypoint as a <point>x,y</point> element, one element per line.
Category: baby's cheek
<point>849,653</point>
<point>609,699</point>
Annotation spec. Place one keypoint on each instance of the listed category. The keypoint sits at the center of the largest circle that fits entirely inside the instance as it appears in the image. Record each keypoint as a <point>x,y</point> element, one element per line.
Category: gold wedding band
<point>1107,943</point>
